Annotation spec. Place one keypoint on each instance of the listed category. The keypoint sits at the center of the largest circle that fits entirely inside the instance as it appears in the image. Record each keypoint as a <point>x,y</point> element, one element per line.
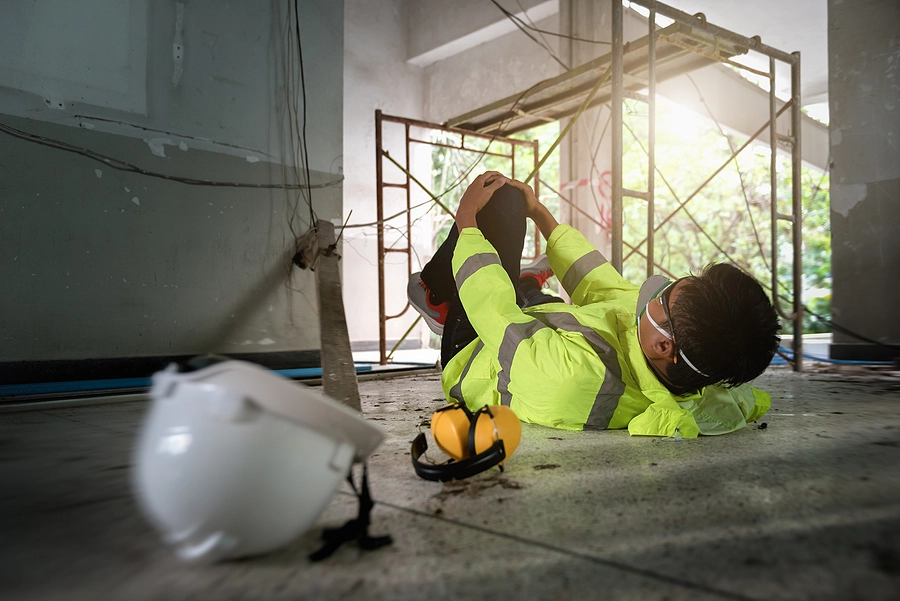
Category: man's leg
<point>502,221</point>
<point>438,272</point>
<point>533,294</point>
<point>532,280</point>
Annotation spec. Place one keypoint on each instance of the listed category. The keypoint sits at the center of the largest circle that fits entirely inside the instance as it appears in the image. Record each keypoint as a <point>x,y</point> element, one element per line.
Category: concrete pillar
<point>585,153</point>
<point>863,81</point>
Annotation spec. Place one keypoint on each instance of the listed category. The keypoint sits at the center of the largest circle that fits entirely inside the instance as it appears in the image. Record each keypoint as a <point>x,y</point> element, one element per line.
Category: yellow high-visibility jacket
<point>576,366</point>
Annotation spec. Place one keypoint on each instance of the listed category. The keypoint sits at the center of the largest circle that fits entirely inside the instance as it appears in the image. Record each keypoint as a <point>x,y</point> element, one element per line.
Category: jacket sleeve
<point>662,418</point>
<point>720,410</point>
<point>762,402</point>
<point>484,288</point>
<point>582,270</point>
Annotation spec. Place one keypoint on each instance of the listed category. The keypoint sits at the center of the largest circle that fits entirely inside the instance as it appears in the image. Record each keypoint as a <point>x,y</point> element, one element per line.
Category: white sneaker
<point>435,315</point>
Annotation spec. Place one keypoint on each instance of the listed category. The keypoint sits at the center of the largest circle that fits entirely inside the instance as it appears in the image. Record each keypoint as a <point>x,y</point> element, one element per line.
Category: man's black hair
<point>725,324</point>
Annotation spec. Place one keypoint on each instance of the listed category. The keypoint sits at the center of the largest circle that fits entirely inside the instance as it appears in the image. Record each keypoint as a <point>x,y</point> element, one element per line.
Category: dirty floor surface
<point>804,504</point>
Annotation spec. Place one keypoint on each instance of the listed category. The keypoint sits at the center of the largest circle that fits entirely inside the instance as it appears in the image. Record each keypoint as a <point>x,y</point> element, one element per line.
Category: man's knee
<point>508,201</point>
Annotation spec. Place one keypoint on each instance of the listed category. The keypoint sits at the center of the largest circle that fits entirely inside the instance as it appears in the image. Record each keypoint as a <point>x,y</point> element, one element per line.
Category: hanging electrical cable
<point>523,27</point>
<point>289,137</point>
<point>305,145</point>
<point>121,165</point>
<point>513,17</point>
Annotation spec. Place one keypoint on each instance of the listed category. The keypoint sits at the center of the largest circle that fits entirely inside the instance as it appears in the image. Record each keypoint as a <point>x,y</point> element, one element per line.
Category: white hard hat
<point>234,460</point>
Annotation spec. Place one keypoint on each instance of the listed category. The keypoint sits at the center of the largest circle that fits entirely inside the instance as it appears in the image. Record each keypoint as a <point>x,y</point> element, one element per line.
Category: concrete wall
<point>489,71</point>
<point>439,29</point>
<point>400,58</point>
<point>103,263</point>
<point>864,79</point>
<point>377,76</point>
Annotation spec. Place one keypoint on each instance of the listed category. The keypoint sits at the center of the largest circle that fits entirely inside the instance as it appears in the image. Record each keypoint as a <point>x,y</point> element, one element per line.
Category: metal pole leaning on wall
<point>616,112</point>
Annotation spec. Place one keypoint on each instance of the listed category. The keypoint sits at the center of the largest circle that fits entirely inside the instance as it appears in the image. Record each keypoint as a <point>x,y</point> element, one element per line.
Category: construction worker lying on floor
<point>661,359</point>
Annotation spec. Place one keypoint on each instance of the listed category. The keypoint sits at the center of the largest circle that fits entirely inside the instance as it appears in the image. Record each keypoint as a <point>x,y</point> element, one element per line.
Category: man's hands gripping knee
<point>476,196</point>
<point>483,187</point>
<point>538,213</point>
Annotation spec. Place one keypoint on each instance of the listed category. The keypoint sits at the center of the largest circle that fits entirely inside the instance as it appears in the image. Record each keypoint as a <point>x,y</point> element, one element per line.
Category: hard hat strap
<point>358,528</point>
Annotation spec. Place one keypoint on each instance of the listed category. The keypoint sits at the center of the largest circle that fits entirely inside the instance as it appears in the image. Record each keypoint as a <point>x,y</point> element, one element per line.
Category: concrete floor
<point>806,508</point>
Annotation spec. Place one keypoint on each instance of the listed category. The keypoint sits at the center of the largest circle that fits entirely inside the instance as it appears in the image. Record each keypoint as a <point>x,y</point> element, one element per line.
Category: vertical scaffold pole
<point>773,188</point>
<point>379,195</point>
<point>537,190</point>
<point>651,145</point>
<point>616,117</point>
<point>797,209</point>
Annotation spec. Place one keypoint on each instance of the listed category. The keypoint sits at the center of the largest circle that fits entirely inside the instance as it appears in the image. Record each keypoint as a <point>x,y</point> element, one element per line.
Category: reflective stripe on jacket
<point>575,366</point>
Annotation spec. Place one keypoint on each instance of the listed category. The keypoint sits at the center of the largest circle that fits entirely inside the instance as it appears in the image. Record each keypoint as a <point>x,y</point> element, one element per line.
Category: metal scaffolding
<point>687,44</point>
<point>381,153</point>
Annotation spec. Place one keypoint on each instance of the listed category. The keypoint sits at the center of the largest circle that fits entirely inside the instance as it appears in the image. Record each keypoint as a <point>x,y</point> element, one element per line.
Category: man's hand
<point>538,213</point>
<point>476,196</point>
<point>532,204</point>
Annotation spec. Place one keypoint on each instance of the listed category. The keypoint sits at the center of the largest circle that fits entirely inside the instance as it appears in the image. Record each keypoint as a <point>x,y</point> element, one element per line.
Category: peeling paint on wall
<point>846,196</point>
<point>157,146</point>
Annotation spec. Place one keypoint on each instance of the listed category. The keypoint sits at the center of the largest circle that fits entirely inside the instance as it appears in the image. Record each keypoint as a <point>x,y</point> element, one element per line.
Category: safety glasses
<point>664,301</point>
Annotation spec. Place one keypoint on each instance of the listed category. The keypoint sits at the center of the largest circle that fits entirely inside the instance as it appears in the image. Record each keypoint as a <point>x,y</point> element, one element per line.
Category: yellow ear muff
<point>450,429</point>
<point>500,424</point>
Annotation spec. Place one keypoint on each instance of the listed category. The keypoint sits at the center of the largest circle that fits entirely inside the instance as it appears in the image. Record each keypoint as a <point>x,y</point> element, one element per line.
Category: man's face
<point>654,332</point>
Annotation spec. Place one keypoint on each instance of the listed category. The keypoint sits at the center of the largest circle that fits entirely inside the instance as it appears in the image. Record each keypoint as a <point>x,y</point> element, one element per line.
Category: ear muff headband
<point>473,423</point>
<point>474,464</point>
<point>455,470</point>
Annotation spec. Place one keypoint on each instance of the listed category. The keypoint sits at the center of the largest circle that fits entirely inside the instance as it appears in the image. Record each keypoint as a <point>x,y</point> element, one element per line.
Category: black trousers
<point>503,223</point>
